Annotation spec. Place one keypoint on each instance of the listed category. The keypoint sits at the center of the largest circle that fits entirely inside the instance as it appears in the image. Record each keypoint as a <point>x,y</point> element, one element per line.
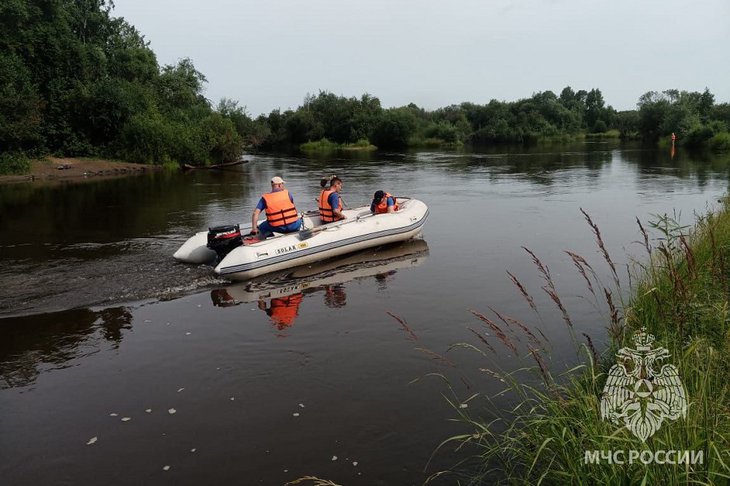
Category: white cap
<point>277,180</point>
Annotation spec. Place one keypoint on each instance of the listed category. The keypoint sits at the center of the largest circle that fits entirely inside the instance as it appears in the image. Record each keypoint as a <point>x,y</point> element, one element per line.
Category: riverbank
<point>54,169</point>
<point>680,432</point>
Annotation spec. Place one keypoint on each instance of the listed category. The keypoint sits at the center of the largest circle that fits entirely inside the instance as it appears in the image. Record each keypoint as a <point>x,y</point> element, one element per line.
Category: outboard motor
<point>223,239</point>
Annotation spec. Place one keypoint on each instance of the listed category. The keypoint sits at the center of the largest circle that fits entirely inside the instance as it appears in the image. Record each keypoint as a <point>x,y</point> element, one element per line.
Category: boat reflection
<point>280,297</point>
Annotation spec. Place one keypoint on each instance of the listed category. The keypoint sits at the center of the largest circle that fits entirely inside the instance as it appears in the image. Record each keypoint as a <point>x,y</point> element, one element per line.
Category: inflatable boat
<point>242,258</point>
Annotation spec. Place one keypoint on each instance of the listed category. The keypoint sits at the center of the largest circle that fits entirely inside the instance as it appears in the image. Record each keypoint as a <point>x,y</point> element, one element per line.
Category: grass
<point>607,134</point>
<point>326,146</point>
<point>680,295</point>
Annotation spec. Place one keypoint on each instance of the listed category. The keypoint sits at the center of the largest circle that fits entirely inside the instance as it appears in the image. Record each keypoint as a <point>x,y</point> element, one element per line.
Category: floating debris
<point>464,405</point>
<point>354,463</point>
<point>126,419</point>
<point>233,398</point>
<point>301,405</point>
<point>193,449</point>
<point>180,389</point>
<point>113,414</point>
<point>334,458</point>
<point>148,410</point>
<point>171,411</point>
<point>165,468</point>
<point>188,333</point>
<point>92,441</point>
<point>296,414</point>
<point>147,320</point>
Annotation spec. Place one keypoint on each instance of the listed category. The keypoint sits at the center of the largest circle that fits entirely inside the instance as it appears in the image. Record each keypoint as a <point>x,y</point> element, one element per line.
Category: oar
<point>306,234</point>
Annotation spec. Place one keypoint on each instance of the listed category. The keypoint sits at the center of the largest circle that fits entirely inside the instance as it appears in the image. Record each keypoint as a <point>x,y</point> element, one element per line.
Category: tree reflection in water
<point>30,345</point>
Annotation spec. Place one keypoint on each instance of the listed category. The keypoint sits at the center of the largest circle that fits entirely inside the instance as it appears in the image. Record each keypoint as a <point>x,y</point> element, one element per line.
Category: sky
<point>270,54</point>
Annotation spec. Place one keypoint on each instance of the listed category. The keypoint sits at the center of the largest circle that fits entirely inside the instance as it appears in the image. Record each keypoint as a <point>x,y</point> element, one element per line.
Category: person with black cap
<point>383,203</point>
<point>281,214</point>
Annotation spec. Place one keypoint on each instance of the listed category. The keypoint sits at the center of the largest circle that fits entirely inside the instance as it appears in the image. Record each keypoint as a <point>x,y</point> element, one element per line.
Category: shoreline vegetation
<point>324,146</point>
<point>681,296</point>
<point>79,82</point>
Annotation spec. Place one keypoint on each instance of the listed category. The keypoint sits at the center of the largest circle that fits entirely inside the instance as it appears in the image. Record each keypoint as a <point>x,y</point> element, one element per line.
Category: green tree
<point>595,108</point>
<point>394,128</point>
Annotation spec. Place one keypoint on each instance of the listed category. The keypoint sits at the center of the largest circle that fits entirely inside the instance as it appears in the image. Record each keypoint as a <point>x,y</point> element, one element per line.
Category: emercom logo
<point>639,394</point>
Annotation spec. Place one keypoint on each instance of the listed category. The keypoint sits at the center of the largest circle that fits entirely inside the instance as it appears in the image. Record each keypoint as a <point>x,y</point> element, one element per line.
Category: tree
<point>595,108</point>
<point>394,128</point>
<point>180,86</point>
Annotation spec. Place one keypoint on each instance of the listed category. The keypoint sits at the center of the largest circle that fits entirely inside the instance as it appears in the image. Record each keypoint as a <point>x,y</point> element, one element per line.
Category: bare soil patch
<point>52,169</point>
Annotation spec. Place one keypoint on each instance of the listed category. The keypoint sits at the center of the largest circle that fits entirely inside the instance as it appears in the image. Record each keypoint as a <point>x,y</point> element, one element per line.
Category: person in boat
<point>330,202</point>
<point>283,311</point>
<point>281,214</point>
<point>335,296</point>
<point>383,203</point>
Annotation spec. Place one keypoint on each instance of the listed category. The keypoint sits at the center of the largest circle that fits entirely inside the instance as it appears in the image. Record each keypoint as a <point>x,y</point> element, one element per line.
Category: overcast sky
<point>269,54</point>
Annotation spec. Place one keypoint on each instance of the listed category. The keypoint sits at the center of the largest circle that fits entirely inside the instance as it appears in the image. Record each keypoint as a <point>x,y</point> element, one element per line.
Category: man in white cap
<point>281,214</point>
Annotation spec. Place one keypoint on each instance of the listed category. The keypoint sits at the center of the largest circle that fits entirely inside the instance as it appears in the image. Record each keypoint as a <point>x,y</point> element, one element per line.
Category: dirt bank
<point>52,169</point>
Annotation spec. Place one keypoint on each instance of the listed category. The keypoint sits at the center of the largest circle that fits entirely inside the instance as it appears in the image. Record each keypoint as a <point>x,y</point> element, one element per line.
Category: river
<point>119,365</point>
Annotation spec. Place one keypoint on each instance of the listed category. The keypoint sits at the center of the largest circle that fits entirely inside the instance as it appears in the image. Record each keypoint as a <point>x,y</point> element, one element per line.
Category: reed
<point>682,296</point>
<point>312,480</point>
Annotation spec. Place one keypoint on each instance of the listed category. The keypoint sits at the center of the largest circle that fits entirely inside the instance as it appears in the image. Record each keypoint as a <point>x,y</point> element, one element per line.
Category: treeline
<point>693,117</point>
<point>76,81</point>
<point>348,120</point>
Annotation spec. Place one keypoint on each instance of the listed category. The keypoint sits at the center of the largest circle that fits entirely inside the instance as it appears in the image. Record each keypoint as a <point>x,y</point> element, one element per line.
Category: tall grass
<point>680,295</point>
<point>326,146</point>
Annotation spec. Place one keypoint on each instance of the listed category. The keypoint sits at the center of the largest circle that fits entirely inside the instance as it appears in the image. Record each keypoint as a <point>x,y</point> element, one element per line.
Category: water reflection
<point>31,345</point>
<point>280,297</point>
<point>282,310</point>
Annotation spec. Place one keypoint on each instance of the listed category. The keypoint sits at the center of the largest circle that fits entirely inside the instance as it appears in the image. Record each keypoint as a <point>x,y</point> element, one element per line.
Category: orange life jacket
<point>280,211</point>
<point>326,212</point>
<point>284,310</point>
<point>382,207</point>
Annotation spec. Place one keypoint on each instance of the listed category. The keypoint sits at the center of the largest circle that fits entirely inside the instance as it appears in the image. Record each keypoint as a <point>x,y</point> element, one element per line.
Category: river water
<point>119,365</point>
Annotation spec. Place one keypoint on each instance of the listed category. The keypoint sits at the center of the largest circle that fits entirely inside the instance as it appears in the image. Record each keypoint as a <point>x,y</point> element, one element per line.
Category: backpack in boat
<point>223,239</point>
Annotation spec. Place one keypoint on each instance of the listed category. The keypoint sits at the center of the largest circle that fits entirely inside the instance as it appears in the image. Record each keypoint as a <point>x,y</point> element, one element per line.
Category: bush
<point>698,135</point>
<point>600,126</point>
<point>148,139</point>
<point>14,163</point>
<point>720,142</point>
<point>443,130</point>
